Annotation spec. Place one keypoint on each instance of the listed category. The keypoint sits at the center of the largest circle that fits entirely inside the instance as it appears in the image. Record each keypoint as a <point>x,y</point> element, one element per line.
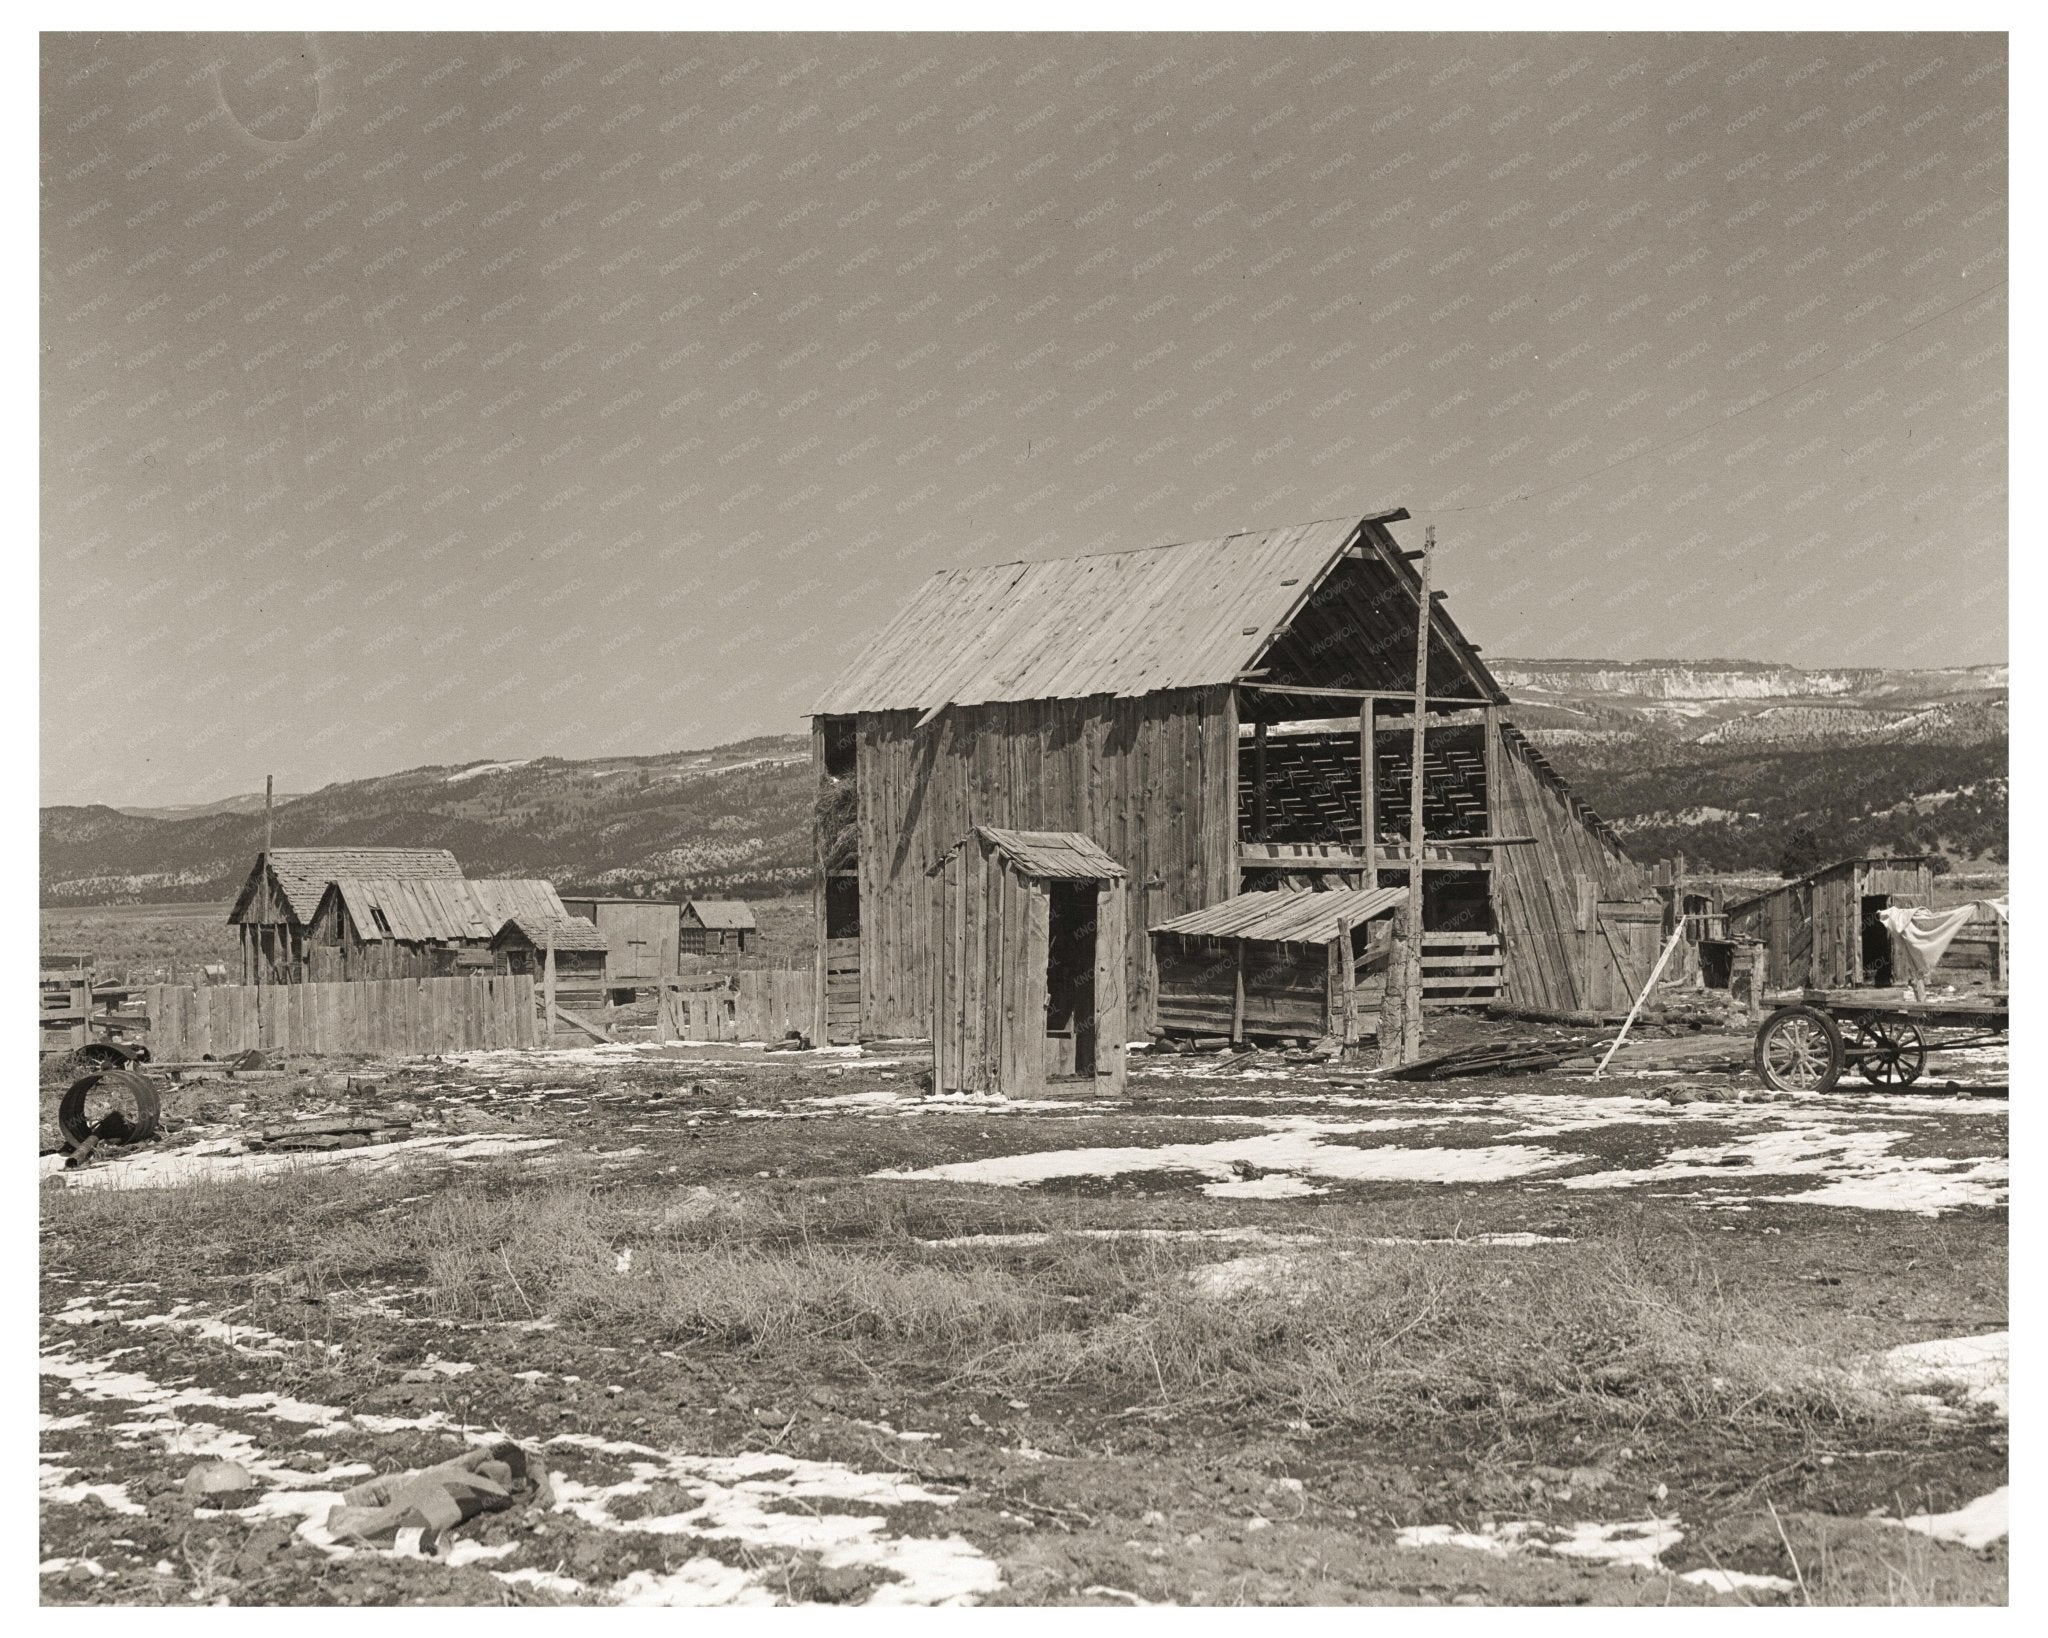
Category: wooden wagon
<point>1883,1034</point>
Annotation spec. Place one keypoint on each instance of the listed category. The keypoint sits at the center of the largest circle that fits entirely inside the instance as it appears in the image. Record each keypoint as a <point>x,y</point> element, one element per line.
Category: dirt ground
<point>787,1328</point>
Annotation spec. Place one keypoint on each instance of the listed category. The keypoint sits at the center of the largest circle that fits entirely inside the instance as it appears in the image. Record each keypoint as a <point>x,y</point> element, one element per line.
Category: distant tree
<point>1801,853</point>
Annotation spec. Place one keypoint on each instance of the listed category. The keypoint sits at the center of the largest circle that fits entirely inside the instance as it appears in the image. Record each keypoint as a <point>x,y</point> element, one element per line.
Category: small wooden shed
<point>716,927</point>
<point>521,946</point>
<point>1823,930</point>
<point>1029,969</point>
<point>1267,965</point>
<point>375,927</point>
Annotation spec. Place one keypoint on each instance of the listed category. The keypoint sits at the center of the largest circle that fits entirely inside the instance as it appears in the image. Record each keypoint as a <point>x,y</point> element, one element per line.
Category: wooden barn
<point>521,946</point>
<point>1220,717</point>
<point>1267,966</point>
<point>1822,931</point>
<point>399,927</point>
<point>641,938</point>
<point>275,909</point>
<point>716,927</point>
<point>1029,976</point>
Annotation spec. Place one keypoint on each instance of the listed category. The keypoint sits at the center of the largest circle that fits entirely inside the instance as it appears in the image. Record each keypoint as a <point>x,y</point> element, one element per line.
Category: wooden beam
<point>1368,791</point>
<point>1258,782</point>
<point>1237,999</point>
<point>1318,692</point>
<point>1418,772</point>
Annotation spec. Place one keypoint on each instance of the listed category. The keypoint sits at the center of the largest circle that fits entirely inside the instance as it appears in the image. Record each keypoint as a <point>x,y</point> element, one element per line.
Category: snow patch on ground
<point>730,1497</point>
<point>1731,1581</point>
<point>1978,1367</point>
<point>227,1159</point>
<point>1858,1163</point>
<point>1639,1543</point>
<point>1297,1149</point>
<point>1977,1525</point>
<point>1038,1237</point>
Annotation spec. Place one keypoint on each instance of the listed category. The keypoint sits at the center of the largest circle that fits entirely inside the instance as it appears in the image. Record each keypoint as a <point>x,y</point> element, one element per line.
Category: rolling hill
<point>1732,763</point>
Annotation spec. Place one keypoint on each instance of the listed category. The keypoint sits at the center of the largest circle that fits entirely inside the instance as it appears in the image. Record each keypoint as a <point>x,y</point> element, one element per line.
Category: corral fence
<point>754,1004</point>
<point>394,1016</point>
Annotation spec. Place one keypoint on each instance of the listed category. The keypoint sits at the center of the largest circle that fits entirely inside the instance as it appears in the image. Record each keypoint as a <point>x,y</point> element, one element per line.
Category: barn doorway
<point>1070,980</point>
<point>1877,940</point>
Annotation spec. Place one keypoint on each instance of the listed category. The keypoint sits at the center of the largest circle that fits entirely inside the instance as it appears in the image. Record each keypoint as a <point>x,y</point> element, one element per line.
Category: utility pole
<point>1411,1033</point>
<point>266,925</point>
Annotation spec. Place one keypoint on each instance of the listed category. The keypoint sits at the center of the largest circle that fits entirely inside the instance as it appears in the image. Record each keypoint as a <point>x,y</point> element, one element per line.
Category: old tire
<point>1799,1049</point>
<point>128,1105</point>
<point>1888,1051</point>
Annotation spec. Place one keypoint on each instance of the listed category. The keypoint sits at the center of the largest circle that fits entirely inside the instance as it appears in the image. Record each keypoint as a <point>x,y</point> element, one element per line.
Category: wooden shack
<point>1028,982</point>
<point>1271,965</point>
<point>275,909</point>
<point>1823,930</point>
<point>716,927</point>
<point>641,938</point>
<point>1222,717</point>
<point>521,946</point>
<point>394,927</point>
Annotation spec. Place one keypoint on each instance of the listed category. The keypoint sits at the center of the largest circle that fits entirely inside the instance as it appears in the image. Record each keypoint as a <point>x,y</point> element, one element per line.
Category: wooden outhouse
<point>640,938</point>
<point>1028,978</point>
<point>1266,966</point>
<point>1823,930</point>
<point>716,927</point>
<point>1223,717</point>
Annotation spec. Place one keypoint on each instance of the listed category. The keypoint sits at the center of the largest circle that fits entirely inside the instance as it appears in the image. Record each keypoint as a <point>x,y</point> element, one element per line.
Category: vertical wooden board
<point>1112,1021</point>
<point>1037,957</point>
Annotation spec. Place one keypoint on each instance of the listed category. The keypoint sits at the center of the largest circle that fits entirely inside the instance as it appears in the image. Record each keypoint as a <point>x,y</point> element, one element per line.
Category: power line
<point>1818,375</point>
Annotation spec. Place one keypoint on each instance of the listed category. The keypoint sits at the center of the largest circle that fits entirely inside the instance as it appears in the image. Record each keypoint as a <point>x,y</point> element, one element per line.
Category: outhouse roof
<point>1059,854</point>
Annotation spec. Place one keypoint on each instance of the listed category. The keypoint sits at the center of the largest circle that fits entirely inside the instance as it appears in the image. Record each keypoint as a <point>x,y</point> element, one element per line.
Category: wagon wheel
<point>1799,1050</point>
<point>1889,1051</point>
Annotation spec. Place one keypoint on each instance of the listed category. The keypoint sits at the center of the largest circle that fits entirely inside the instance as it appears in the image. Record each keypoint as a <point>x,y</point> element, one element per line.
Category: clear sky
<point>419,399</point>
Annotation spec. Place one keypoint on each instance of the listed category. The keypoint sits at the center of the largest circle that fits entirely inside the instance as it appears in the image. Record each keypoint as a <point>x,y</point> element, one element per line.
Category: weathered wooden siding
<point>396,1017</point>
<point>1812,929</point>
<point>1152,780</point>
<point>1546,895</point>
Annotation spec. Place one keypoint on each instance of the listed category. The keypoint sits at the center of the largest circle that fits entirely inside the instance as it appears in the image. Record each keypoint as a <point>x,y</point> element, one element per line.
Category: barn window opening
<point>383,924</point>
<point>842,907</point>
<point>841,753</point>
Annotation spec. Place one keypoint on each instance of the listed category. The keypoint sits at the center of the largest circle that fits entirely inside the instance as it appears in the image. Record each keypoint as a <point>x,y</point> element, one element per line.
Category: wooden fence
<point>395,1016</point>
<point>758,1004</point>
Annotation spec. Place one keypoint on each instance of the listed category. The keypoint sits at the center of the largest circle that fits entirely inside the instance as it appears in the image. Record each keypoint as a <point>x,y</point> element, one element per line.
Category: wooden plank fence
<point>760,1004</point>
<point>395,1017</point>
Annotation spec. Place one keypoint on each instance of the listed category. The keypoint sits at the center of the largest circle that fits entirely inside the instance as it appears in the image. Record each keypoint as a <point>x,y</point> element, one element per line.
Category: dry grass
<point>1623,1331</point>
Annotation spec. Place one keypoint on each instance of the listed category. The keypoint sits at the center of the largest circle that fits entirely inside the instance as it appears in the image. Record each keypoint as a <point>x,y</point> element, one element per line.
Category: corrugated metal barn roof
<point>1287,917</point>
<point>1124,623</point>
<point>1059,854</point>
<point>303,872</point>
<point>422,910</point>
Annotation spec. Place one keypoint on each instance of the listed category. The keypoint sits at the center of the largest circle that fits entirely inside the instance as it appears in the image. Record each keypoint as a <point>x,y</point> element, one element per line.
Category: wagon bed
<point>1811,1037</point>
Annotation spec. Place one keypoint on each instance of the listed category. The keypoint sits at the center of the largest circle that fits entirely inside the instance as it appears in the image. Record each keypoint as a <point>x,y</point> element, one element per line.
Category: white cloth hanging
<point>1920,938</point>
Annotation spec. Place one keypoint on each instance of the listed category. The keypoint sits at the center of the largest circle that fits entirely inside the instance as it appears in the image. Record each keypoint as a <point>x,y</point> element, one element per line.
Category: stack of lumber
<point>1493,1058</point>
<point>333,1132</point>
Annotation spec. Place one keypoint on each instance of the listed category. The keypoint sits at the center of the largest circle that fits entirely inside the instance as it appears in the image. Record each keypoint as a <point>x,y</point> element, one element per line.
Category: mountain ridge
<point>1737,764</point>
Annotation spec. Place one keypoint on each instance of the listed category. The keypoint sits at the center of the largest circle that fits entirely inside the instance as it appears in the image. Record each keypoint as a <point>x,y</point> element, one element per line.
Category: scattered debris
<point>417,1510</point>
